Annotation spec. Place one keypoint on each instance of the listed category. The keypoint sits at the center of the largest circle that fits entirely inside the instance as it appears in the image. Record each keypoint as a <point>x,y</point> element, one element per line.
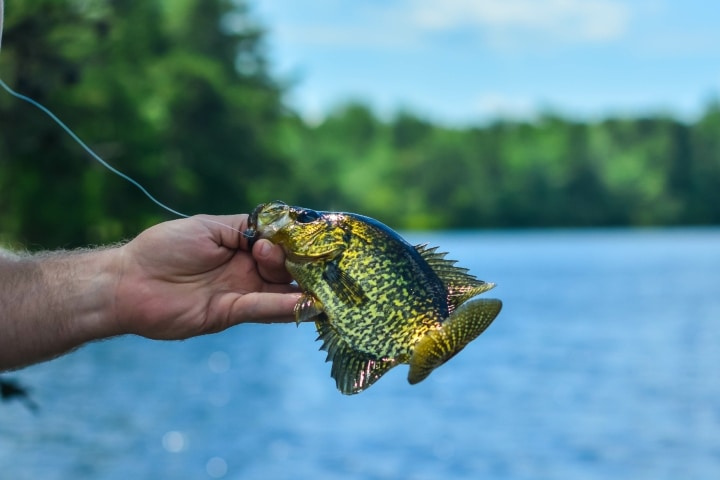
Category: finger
<point>261,307</point>
<point>281,288</point>
<point>226,230</point>
<point>271,262</point>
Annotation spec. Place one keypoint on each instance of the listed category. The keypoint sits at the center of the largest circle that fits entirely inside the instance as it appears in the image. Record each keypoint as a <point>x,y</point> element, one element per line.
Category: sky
<point>468,61</point>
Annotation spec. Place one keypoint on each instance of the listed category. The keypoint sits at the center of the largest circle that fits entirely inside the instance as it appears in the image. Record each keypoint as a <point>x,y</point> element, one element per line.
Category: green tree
<point>704,197</point>
<point>175,93</point>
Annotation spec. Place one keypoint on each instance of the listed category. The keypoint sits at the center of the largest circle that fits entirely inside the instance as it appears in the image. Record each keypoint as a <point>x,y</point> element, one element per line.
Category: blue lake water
<point>603,364</point>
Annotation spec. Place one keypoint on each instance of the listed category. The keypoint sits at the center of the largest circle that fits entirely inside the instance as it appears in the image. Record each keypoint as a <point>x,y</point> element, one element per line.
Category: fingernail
<point>264,249</point>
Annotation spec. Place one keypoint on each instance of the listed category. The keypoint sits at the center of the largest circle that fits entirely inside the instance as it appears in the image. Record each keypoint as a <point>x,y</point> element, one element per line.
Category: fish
<point>377,301</point>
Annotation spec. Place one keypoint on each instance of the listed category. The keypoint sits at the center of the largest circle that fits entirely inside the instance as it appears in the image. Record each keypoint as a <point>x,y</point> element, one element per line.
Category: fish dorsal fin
<point>459,283</point>
<point>353,371</point>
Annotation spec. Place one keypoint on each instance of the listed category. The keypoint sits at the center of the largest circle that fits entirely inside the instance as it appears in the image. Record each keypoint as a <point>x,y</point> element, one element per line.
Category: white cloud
<point>501,105</point>
<point>569,20</point>
<point>363,35</point>
<point>498,23</point>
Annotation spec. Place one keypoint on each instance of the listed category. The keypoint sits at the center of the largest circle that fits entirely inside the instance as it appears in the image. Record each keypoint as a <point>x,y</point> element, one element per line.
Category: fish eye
<point>307,216</point>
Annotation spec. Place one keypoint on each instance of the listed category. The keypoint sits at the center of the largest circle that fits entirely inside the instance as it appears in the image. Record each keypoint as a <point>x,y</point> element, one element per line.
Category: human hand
<point>194,276</point>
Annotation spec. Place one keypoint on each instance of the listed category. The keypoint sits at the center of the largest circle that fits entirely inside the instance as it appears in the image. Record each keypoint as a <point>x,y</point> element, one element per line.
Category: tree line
<point>179,95</point>
<point>550,172</point>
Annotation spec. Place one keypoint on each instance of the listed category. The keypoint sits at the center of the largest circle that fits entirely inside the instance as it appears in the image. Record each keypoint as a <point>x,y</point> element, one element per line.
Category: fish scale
<point>402,307</point>
<point>376,300</point>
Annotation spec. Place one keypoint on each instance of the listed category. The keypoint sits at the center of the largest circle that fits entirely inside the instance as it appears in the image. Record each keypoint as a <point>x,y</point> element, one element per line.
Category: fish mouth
<point>251,236</point>
<point>251,232</point>
<point>266,220</point>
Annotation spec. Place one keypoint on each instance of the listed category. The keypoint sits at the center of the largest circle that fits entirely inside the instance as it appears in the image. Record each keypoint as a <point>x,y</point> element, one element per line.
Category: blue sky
<point>463,61</point>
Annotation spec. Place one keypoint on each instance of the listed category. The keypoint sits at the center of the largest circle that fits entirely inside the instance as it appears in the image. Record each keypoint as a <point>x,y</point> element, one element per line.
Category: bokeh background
<point>467,115</point>
<point>568,150</point>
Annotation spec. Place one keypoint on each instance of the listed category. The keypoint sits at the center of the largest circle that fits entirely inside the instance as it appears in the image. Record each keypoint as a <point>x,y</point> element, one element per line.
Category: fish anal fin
<point>438,346</point>
<point>345,287</point>
<point>352,370</point>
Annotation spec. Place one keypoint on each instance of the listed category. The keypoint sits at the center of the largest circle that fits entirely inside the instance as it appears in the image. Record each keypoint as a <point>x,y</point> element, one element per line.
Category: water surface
<point>602,364</point>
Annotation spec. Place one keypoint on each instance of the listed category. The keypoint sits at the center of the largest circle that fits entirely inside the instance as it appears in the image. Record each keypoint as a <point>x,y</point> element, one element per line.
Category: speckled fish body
<point>376,300</point>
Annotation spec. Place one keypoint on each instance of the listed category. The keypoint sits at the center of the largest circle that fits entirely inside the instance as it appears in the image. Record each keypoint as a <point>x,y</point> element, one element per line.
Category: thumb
<point>271,262</point>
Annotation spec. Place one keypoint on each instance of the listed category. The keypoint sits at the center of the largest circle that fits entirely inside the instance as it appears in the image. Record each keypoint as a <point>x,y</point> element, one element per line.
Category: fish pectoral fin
<point>353,371</point>
<point>307,308</point>
<point>461,327</point>
<point>345,287</point>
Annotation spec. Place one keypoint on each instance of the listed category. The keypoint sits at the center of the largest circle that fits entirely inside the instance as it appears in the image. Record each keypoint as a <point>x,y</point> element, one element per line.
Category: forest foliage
<point>179,95</point>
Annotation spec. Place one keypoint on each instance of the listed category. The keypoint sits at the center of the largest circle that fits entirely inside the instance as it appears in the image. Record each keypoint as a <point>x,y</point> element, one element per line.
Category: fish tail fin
<point>461,327</point>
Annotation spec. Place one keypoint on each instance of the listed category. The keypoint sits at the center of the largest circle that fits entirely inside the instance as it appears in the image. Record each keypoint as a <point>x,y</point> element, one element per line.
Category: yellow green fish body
<point>376,300</point>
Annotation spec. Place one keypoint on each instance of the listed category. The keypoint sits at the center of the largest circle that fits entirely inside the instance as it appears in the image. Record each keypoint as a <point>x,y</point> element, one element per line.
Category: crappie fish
<point>376,300</point>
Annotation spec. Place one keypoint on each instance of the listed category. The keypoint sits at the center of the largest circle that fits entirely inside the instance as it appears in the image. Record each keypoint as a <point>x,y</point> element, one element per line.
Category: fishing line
<point>97,157</point>
<point>86,148</point>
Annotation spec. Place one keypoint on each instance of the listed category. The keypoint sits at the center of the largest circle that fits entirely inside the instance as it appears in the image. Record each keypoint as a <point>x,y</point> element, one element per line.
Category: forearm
<point>53,303</point>
<point>175,280</point>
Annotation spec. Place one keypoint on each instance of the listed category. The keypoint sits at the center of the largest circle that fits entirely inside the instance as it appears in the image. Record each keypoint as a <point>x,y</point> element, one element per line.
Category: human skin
<point>175,280</point>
